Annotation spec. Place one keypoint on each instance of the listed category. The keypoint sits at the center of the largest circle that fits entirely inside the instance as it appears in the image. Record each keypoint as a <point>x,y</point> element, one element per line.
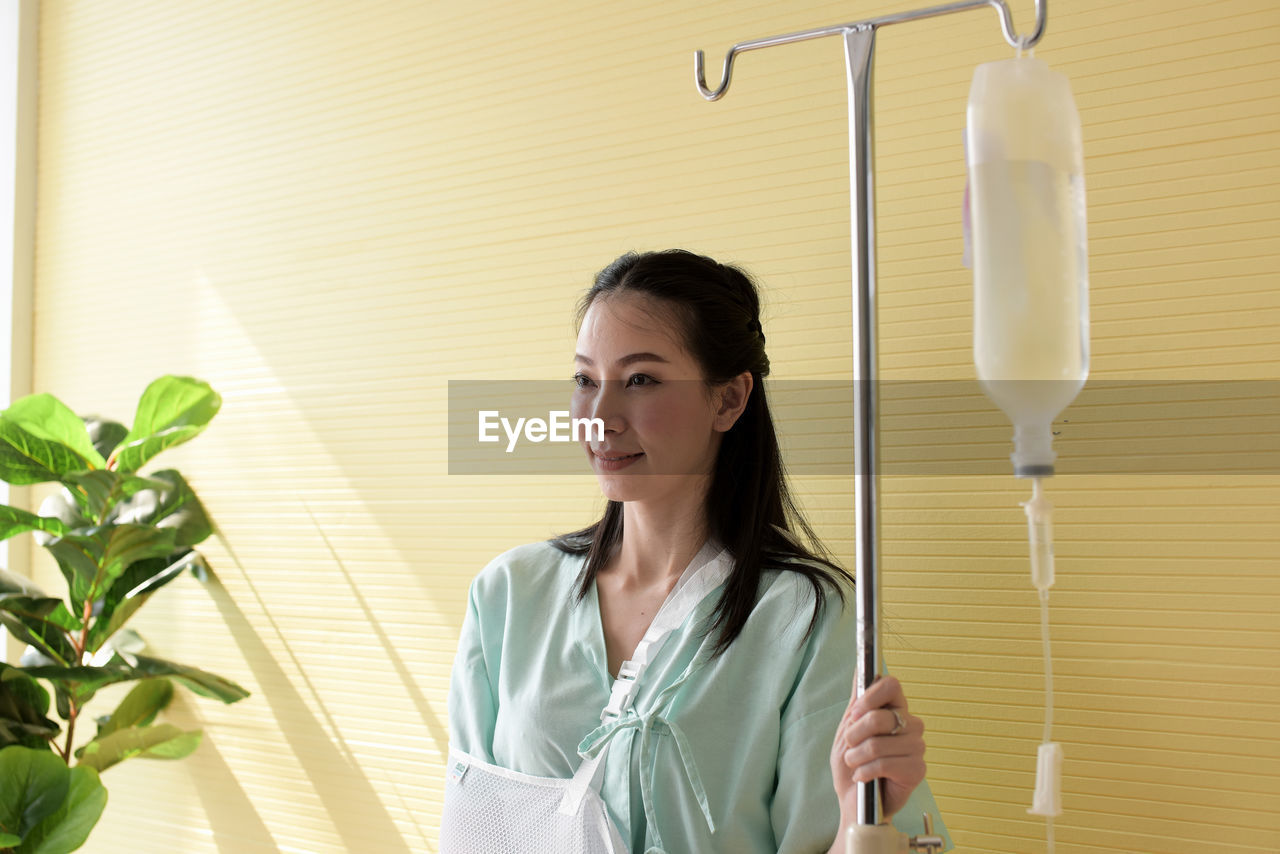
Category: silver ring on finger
<point>899,723</point>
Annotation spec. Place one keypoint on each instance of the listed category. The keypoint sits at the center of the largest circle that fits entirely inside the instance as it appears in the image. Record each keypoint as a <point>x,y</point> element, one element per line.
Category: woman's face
<point>634,374</point>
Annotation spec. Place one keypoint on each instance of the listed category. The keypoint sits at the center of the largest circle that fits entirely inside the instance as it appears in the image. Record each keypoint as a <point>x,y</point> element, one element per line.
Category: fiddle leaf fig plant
<point>117,536</point>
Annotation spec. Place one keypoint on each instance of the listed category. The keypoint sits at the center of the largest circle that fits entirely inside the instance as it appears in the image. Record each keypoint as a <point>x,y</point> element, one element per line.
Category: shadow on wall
<point>349,799</point>
<point>439,733</point>
<point>237,826</point>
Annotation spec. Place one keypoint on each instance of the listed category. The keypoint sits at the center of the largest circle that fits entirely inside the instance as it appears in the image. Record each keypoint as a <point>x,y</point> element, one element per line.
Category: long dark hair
<point>749,508</point>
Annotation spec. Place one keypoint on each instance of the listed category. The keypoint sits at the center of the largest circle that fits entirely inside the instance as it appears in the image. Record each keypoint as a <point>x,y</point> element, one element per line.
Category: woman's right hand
<point>866,748</point>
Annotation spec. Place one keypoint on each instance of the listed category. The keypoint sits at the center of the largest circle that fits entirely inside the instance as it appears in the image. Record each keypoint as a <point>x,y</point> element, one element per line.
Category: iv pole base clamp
<point>887,839</point>
<point>875,839</point>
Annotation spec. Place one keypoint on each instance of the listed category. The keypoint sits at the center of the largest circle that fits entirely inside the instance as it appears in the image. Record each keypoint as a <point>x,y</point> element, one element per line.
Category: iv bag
<point>1030,263</point>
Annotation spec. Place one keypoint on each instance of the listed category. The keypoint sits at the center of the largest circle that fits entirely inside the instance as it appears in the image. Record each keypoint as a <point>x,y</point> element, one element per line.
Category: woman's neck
<point>660,539</point>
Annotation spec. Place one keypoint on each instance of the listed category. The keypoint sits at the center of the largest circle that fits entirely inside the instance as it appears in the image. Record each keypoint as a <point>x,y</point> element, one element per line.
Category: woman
<point>678,676</point>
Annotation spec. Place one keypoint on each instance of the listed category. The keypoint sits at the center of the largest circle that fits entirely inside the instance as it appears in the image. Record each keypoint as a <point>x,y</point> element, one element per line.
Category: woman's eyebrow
<point>625,360</point>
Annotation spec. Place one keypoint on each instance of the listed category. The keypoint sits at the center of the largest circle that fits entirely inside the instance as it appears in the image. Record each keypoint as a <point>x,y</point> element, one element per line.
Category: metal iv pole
<point>859,42</point>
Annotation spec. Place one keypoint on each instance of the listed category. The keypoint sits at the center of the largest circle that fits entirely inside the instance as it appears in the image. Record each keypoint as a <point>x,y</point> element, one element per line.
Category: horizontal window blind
<point>331,210</point>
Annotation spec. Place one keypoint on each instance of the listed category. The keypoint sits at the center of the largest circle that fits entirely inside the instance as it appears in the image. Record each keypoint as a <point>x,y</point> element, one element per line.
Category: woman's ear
<point>733,400</point>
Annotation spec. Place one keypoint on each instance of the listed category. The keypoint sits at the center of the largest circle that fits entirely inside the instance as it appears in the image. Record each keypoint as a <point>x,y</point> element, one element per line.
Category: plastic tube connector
<point>1033,453</point>
<point>1040,534</point>
<point>1047,800</point>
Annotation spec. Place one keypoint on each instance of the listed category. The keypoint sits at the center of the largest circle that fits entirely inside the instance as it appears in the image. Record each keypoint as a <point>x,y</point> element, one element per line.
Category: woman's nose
<point>606,404</point>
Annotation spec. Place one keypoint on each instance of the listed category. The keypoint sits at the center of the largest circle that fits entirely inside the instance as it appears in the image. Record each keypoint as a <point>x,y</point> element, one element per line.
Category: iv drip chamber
<point>1030,262</point>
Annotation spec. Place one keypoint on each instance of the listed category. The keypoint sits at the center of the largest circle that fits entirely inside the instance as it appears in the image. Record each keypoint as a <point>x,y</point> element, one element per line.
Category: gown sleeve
<point>805,812</point>
<point>473,703</point>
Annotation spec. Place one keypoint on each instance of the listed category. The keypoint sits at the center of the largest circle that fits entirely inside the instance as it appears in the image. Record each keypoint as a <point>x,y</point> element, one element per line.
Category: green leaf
<point>172,410</point>
<point>85,680</point>
<point>46,417</point>
<point>78,561</point>
<point>12,584</point>
<point>78,682</point>
<point>163,741</point>
<point>34,736</point>
<point>25,458</point>
<point>69,827</point>
<point>21,686</point>
<point>96,492</point>
<point>92,562</point>
<point>34,618</point>
<point>14,520</point>
<point>62,701</point>
<point>52,611</point>
<point>131,591</point>
<point>91,490</point>
<point>139,708</point>
<point>41,622</point>
<point>104,433</point>
<point>202,682</point>
<point>63,507</point>
<point>33,785</point>
<point>24,703</point>
<point>133,483</point>
<point>172,505</point>
<point>129,543</point>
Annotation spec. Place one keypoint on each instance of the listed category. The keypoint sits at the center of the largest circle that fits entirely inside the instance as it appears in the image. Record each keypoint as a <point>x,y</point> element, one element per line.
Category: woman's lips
<point>614,462</point>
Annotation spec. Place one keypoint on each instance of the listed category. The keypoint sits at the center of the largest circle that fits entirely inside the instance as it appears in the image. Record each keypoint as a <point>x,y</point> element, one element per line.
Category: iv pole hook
<point>1006,25</point>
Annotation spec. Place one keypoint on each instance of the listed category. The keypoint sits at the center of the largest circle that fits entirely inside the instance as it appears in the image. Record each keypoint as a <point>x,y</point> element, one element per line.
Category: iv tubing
<point>1048,692</point>
<point>1048,794</point>
<point>1048,666</point>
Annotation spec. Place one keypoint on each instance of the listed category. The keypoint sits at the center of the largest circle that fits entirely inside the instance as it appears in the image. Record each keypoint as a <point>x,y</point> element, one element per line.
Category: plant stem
<point>79,645</point>
<point>71,731</point>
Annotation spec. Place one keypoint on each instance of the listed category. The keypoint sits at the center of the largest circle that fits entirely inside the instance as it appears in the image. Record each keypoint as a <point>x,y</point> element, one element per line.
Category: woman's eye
<point>584,381</point>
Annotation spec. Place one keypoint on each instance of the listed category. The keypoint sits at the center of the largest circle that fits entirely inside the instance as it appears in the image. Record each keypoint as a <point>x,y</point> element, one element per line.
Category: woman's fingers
<point>885,691</point>
<point>906,771</point>
<point>879,722</point>
<point>898,760</point>
<point>879,739</point>
<point>909,743</point>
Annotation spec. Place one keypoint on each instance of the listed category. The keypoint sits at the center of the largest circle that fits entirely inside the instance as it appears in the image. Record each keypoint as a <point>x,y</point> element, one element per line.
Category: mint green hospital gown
<point>716,755</point>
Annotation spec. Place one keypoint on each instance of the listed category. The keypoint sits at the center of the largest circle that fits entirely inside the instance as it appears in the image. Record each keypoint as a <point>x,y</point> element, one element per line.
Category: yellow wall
<point>330,209</point>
